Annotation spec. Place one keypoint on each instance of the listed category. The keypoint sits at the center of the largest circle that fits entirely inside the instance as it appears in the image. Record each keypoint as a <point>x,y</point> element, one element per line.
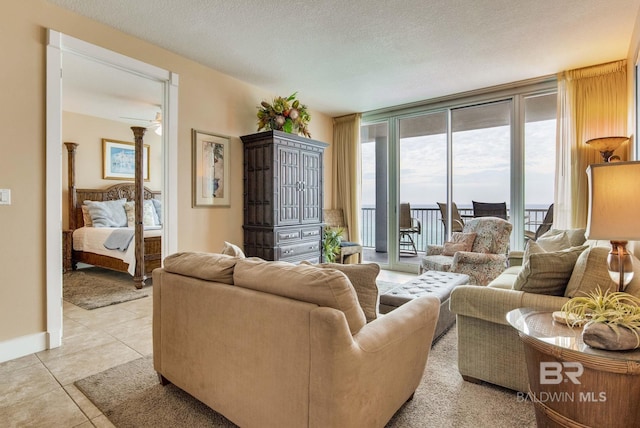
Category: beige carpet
<point>130,396</point>
<point>95,287</point>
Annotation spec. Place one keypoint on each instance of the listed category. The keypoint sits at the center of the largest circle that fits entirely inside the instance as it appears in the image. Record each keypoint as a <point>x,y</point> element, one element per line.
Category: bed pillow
<point>149,216</point>
<point>107,213</point>
<point>157,204</point>
<point>459,242</point>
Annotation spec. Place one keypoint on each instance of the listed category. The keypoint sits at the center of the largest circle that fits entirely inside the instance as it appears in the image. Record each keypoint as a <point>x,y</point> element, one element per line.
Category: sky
<point>481,165</point>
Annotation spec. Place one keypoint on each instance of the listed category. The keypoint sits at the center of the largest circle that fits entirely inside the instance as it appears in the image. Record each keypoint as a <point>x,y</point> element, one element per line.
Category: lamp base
<point>620,264</point>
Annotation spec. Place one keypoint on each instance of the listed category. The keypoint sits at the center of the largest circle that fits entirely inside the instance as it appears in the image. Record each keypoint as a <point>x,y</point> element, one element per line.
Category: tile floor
<point>38,391</point>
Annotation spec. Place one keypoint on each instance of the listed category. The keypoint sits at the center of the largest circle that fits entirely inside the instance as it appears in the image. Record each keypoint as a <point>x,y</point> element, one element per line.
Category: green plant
<point>284,114</point>
<point>615,309</point>
<point>331,239</point>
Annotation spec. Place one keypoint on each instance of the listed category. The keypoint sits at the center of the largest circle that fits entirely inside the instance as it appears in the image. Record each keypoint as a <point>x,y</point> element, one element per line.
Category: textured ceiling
<point>360,55</point>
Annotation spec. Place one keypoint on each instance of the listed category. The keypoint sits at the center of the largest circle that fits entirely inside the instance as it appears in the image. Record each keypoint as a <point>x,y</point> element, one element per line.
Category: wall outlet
<point>5,196</point>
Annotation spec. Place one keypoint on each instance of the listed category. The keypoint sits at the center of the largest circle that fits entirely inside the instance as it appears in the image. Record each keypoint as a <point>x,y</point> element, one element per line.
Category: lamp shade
<point>614,201</point>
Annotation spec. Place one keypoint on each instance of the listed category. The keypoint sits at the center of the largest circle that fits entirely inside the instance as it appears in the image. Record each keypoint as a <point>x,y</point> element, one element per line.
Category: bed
<point>143,253</point>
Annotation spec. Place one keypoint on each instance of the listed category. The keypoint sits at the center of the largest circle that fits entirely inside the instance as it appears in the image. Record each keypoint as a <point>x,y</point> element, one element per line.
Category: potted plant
<point>331,239</point>
<point>611,319</point>
<point>284,114</point>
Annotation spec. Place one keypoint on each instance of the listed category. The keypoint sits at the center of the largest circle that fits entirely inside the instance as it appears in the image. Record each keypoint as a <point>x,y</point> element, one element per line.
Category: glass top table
<point>539,325</point>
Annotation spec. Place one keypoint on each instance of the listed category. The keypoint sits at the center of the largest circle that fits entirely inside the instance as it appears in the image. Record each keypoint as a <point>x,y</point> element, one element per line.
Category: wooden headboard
<point>116,191</point>
<point>78,196</point>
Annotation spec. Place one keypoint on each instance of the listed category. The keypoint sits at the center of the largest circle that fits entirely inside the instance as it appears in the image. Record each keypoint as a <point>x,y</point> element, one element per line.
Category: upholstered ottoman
<point>431,283</point>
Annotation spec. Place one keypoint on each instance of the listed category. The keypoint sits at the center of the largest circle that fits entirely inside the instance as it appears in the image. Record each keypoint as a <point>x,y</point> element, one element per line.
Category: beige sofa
<point>489,349</point>
<point>271,344</point>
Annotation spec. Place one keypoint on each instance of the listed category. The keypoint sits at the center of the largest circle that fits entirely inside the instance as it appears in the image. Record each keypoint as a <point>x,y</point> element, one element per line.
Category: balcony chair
<point>486,258</point>
<point>544,227</point>
<point>335,218</point>
<point>456,219</point>
<point>490,209</point>
<point>408,226</point>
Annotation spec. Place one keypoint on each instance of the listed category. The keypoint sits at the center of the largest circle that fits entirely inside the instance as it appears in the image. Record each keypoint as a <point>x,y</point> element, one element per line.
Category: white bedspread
<point>91,240</point>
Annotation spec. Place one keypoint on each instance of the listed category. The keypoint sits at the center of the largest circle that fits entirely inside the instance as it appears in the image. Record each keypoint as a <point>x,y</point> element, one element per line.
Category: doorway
<point>58,45</point>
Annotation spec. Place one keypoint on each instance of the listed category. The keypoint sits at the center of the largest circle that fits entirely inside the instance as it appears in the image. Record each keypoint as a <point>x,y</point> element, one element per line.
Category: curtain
<point>346,171</point>
<point>592,103</point>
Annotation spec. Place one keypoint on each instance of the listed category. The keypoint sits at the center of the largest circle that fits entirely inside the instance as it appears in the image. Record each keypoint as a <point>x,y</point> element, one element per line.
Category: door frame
<point>57,44</point>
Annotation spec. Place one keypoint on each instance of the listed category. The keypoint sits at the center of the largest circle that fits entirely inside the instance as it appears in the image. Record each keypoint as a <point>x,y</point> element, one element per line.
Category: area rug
<point>95,287</point>
<point>130,396</point>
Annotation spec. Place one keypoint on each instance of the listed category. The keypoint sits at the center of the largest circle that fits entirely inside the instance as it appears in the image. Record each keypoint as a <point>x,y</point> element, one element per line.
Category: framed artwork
<point>211,159</point>
<point>119,160</point>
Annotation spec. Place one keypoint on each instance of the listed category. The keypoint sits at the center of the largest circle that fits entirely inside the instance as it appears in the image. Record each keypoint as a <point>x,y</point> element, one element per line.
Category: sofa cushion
<point>459,242</point>
<point>363,278</point>
<point>207,266</point>
<point>506,279</point>
<point>324,287</point>
<point>556,242</point>
<point>546,272</point>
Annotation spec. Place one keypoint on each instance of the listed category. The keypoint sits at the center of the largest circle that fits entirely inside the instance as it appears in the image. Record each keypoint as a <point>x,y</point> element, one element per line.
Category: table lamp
<point>606,145</point>
<point>614,213</point>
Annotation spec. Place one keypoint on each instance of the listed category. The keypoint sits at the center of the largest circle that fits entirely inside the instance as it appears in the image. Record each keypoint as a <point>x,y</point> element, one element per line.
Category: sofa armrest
<point>492,304</point>
<point>434,250</point>
<point>515,258</point>
<point>379,367</point>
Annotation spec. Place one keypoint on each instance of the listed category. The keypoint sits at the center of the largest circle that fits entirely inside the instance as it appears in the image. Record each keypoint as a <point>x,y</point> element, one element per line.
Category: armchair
<point>335,218</point>
<point>487,258</point>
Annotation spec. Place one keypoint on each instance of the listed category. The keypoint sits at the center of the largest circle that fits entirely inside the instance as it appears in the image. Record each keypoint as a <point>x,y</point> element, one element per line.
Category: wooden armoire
<point>283,195</point>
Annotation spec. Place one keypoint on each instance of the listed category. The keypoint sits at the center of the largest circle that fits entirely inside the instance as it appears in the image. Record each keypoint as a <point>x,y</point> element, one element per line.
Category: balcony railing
<point>432,226</point>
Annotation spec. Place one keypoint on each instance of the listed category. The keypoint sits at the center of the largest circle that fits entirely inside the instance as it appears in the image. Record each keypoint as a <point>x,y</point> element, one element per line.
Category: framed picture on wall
<point>211,159</point>
<point>119,160</point>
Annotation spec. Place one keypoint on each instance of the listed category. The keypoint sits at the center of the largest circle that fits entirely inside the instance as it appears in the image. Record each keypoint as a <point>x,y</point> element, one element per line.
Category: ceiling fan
<point>155,124</point>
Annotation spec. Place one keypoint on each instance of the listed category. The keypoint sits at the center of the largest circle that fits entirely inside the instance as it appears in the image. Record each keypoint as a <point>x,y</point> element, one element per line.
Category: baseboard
<point>21,346</point>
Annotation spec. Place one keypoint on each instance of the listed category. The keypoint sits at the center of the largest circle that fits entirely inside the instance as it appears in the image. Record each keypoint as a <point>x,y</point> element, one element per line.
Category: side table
<point>572,384</point>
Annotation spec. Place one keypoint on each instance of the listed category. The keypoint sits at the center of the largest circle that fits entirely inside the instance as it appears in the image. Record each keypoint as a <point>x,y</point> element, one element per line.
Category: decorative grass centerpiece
<point>612,319</point>
<point>284,114</point>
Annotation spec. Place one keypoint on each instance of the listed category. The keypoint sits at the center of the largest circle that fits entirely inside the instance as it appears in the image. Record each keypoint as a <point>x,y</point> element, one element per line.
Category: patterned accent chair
<point>335,218</point>
<point>487,258</point>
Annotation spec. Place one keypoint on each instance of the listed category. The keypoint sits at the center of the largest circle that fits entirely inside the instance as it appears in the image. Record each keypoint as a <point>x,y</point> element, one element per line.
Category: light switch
<point>5,196</point>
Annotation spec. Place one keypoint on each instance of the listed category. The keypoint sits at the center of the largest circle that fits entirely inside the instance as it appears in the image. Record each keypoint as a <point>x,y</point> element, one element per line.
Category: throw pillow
<point>589,273</point>
<point>576,236</point>
<point>363,278</point>
<point>459,242</point>
<point>232,250</point>
<point>546,273</point>
<point>554,242</point>
<point>149,216</point>
<point>107,213</point>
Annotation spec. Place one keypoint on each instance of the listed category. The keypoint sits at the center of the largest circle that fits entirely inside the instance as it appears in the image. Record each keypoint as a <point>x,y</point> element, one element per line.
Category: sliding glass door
<point>481,162</point>
<point>496,149</point>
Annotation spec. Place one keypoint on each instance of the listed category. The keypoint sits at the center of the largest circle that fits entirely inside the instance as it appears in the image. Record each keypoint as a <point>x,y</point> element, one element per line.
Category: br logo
<point>553,373</point>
